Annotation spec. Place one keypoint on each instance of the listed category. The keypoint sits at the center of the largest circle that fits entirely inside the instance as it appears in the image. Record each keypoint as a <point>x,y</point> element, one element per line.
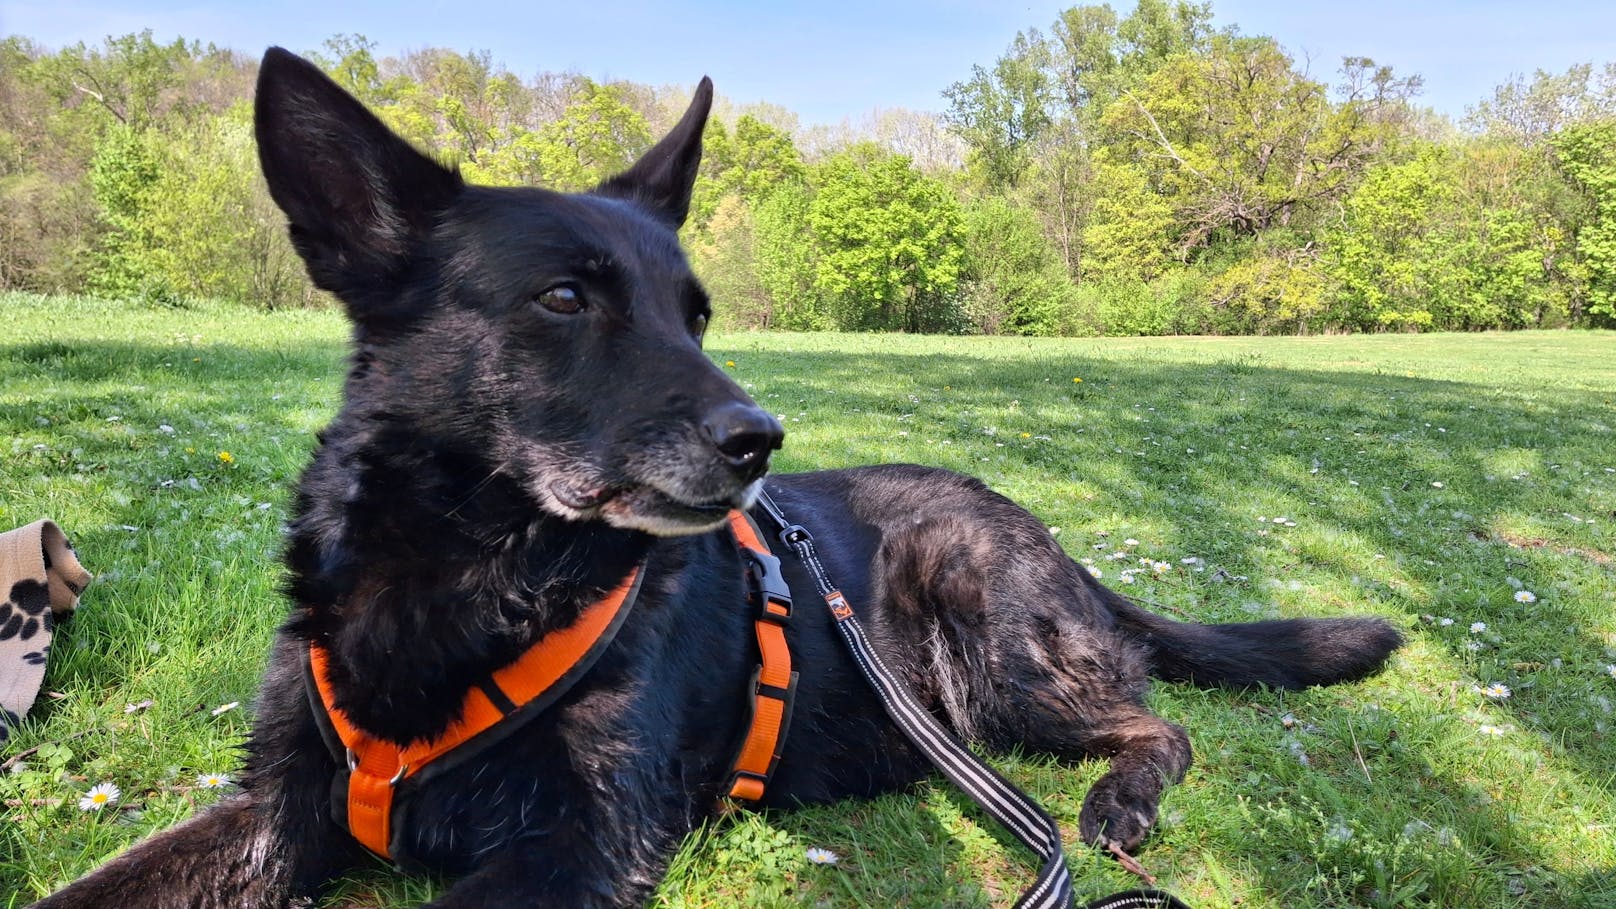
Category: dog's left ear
<point>662,179</point>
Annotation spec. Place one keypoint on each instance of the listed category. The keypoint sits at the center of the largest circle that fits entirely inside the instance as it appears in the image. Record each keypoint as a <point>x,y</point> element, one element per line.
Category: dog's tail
<point>1284,653</point>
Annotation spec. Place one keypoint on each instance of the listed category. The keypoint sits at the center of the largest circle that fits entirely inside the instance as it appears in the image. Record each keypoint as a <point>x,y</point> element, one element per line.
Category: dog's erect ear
<point>662,179</point>
<point>357,196</point>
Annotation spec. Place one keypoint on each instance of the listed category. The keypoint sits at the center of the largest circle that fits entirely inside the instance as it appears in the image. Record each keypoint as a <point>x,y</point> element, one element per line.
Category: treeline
<point>1117,174</point>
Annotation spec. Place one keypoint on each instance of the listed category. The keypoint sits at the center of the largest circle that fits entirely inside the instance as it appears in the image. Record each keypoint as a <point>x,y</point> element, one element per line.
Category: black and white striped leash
<point>1011,807</point>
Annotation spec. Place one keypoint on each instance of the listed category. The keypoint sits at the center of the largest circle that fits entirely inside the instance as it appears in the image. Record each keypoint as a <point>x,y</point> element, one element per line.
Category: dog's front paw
<point>1120,811</point>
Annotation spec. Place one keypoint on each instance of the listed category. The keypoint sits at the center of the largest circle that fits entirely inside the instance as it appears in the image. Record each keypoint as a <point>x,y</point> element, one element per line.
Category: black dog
<point>528,417</point>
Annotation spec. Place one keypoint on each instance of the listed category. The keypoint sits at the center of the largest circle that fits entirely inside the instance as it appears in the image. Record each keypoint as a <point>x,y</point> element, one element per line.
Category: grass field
<point>1463,486</point>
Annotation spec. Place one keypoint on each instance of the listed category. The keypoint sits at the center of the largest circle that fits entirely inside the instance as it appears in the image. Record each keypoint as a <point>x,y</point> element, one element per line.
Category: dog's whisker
<point>479,487</point>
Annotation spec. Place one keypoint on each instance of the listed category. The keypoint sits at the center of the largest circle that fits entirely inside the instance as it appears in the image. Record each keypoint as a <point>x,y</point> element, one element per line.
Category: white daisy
<point>1497,691</point>
<point>1525,596</point>
<point>822,856</point>
<point>1478,627</point>
<point>212,781</point>
<point>100,796</point>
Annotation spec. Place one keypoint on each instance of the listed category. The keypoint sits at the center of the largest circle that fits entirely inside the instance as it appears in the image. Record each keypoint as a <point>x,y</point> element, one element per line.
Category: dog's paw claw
<point>1112,816</point>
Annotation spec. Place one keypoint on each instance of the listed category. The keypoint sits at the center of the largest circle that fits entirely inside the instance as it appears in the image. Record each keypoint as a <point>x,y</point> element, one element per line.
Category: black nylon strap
<point>1008,805</point>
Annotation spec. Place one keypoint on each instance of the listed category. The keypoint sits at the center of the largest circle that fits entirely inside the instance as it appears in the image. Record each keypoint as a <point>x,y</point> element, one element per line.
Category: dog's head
<point>555,337</point>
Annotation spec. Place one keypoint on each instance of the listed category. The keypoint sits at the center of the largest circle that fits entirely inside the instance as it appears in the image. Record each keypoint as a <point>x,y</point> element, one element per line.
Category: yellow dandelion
<point>226,458</point>
<point>1076,379</point>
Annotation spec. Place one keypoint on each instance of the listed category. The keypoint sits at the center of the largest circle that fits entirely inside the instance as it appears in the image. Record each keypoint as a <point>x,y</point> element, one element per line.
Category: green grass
<point>1384,793</point>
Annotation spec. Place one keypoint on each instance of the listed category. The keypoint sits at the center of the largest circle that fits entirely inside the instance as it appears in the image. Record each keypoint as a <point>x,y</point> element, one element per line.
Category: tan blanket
<point>40,583</point>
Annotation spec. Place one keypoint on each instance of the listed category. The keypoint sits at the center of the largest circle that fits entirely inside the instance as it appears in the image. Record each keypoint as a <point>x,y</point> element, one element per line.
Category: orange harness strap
<point>774,685</point>
<point>376,767</point>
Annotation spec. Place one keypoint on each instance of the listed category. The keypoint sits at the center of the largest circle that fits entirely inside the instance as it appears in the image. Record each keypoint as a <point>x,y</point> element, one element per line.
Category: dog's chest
<point>541,785</point>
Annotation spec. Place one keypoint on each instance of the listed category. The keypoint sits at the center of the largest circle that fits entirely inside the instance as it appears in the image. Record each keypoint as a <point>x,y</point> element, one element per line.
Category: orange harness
<point>372,769</point>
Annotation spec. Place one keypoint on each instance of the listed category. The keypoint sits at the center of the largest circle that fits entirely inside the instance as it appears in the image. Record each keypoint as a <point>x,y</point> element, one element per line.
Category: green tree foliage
<point>1101,56</point>
<point>748,163</point>
<point>124,175</point>
<point>1275,288</point>
<point>350,60</point>
<point>1531,112</point>
<point>889,243</point>
<point>788,260</point>
<point>598,135</point>
<point>1131,233</point>
<point>48,219</point>
<point>1586,154</point>
<point>1002,111</point>
<point>1014,280</point>
<point>1121,170</point>
<point>218,234</point>
<point>1454,238</point>
<point>1239,142</point>
<point>725,257</point>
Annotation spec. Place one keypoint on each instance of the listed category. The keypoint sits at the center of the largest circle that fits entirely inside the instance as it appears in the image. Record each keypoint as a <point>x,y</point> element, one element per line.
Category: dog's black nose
<point>743,433</point>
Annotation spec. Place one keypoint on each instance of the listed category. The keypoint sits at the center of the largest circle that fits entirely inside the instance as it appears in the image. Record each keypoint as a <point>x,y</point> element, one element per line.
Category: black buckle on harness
<point>792,534</point>
<point>764,571</point>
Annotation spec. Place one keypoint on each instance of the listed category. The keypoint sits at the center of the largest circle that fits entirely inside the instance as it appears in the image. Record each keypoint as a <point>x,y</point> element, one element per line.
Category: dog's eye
<point>698,327</point>
<point>563,298</point>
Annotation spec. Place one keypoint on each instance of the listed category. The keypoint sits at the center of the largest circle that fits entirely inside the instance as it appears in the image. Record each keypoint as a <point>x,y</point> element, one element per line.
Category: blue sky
<point>835,58</point>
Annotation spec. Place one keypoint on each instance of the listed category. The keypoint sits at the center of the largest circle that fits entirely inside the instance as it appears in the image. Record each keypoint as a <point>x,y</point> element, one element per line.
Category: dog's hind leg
<point>1002,635</point>
<point>265,847</point>
<point>227,857</point>
<point>1148,754</point>
<point>1077,695</point>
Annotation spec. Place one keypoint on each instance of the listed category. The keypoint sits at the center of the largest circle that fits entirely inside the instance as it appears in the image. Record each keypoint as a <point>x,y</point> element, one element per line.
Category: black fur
<point>500,460</point>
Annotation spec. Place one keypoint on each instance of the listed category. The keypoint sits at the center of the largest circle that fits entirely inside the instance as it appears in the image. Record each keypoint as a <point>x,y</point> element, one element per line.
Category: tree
<point>1001,112</point>
<point>1099,56</point>
<point>131,78</point>
<point>597,136</point>
<point>123,176</point>
<point>1238,141</point>
<point>1530,113</point>
<point>1586,154</point>
<point>889,242</point>
<point>788,260</point>
<point>724,255</point>
<point>750,164</point>
<point>1132,230</point>
<point>1015,282</point>
<point>350,60</point>
<point>1454,238</point>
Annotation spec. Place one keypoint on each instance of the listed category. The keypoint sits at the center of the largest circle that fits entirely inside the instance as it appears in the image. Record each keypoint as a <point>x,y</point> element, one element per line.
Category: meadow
<point>1463,486</point>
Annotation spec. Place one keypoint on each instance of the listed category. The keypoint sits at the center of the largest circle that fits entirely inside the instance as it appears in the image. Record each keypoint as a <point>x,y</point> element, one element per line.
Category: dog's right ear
<point>357,196</point>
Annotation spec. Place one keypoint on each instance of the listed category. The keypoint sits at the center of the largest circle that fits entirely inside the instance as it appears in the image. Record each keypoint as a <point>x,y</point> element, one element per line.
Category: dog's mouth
<point>647,508</point>
<point>581,499</point>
